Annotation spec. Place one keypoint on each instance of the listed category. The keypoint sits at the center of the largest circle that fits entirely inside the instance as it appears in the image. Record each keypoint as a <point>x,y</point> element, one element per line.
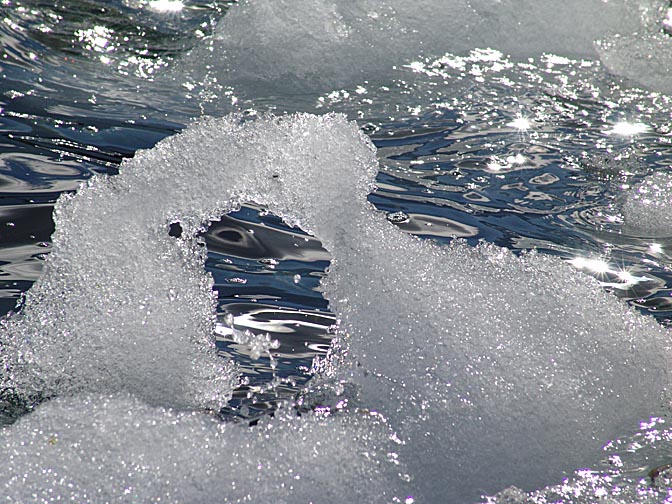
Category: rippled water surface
<point>521,152</point>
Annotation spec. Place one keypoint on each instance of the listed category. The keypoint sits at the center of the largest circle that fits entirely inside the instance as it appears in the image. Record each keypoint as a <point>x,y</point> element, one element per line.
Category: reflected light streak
<point>593,265</point>
<point>626,276</point>
<point>655,248</point>
<point>625,128</point>
<point>601,269</point>
<point>166,5</point>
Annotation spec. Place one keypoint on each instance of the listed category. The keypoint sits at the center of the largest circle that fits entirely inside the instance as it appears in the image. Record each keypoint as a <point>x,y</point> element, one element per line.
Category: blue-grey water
<point>524,153</point>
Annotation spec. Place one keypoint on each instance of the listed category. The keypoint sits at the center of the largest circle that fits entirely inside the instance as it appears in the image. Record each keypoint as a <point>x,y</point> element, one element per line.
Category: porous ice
<point>487,363</point>
<point>646,210</point>
<point>641,57</point>
<point>494,370</point>
<point>121,306</point>
<point>117,449</point>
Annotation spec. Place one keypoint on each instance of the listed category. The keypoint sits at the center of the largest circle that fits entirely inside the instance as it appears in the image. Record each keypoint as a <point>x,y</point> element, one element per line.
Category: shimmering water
<point>528,151</point>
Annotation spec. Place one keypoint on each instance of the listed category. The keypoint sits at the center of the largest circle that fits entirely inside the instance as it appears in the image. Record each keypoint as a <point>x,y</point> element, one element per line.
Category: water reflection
<point>625,128</point>
<point>521,123</point>
<point>655,248</point>
<point>166,6</point>
<point>276,375</point>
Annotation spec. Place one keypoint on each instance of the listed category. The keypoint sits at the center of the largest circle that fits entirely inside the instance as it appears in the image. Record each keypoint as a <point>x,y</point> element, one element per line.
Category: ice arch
<point>122,306</point>
<point>495,369</point>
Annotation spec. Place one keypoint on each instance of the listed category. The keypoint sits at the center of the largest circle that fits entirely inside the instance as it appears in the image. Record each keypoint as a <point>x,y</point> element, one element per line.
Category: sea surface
<point>497,140</point>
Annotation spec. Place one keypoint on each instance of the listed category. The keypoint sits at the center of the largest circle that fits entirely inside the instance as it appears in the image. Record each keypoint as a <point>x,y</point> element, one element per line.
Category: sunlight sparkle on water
<point>166,5</point>
<point>602,270</point>
<point>518,159</point>
<point>655,248</point>
<point>625,276</point>
<point>667,22</point>
<point>521,123</point>
<point>416,66</point>
<point>625,128</point>
<point>593,265</point>
<point>96,39</point>
<point>497,164</point>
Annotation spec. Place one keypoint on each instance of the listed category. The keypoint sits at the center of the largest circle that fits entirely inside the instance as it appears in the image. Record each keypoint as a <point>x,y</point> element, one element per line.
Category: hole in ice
<point>175,230</point>
<point>271,317</point>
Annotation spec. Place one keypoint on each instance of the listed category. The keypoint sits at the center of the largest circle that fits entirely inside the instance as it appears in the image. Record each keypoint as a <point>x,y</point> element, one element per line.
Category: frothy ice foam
<point>493,369</point>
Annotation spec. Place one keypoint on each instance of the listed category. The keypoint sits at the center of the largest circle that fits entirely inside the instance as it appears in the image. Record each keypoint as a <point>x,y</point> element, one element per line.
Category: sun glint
<point>521,123</point>
<point>166,5</point>
<point>625,128</point>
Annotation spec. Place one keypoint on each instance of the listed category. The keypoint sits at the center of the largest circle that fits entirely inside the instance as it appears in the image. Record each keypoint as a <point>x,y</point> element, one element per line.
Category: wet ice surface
<point>551,153</point>
<point>628,473</point>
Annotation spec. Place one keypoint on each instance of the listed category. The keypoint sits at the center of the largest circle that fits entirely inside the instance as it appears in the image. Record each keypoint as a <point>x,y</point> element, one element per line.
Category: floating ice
<point>123,306</point>
<point>494,370</point>
<point>289,47</point>
<point>117,449</point>
<point>646,209</point>
<point>528,28</point>
<point>643,56</point>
